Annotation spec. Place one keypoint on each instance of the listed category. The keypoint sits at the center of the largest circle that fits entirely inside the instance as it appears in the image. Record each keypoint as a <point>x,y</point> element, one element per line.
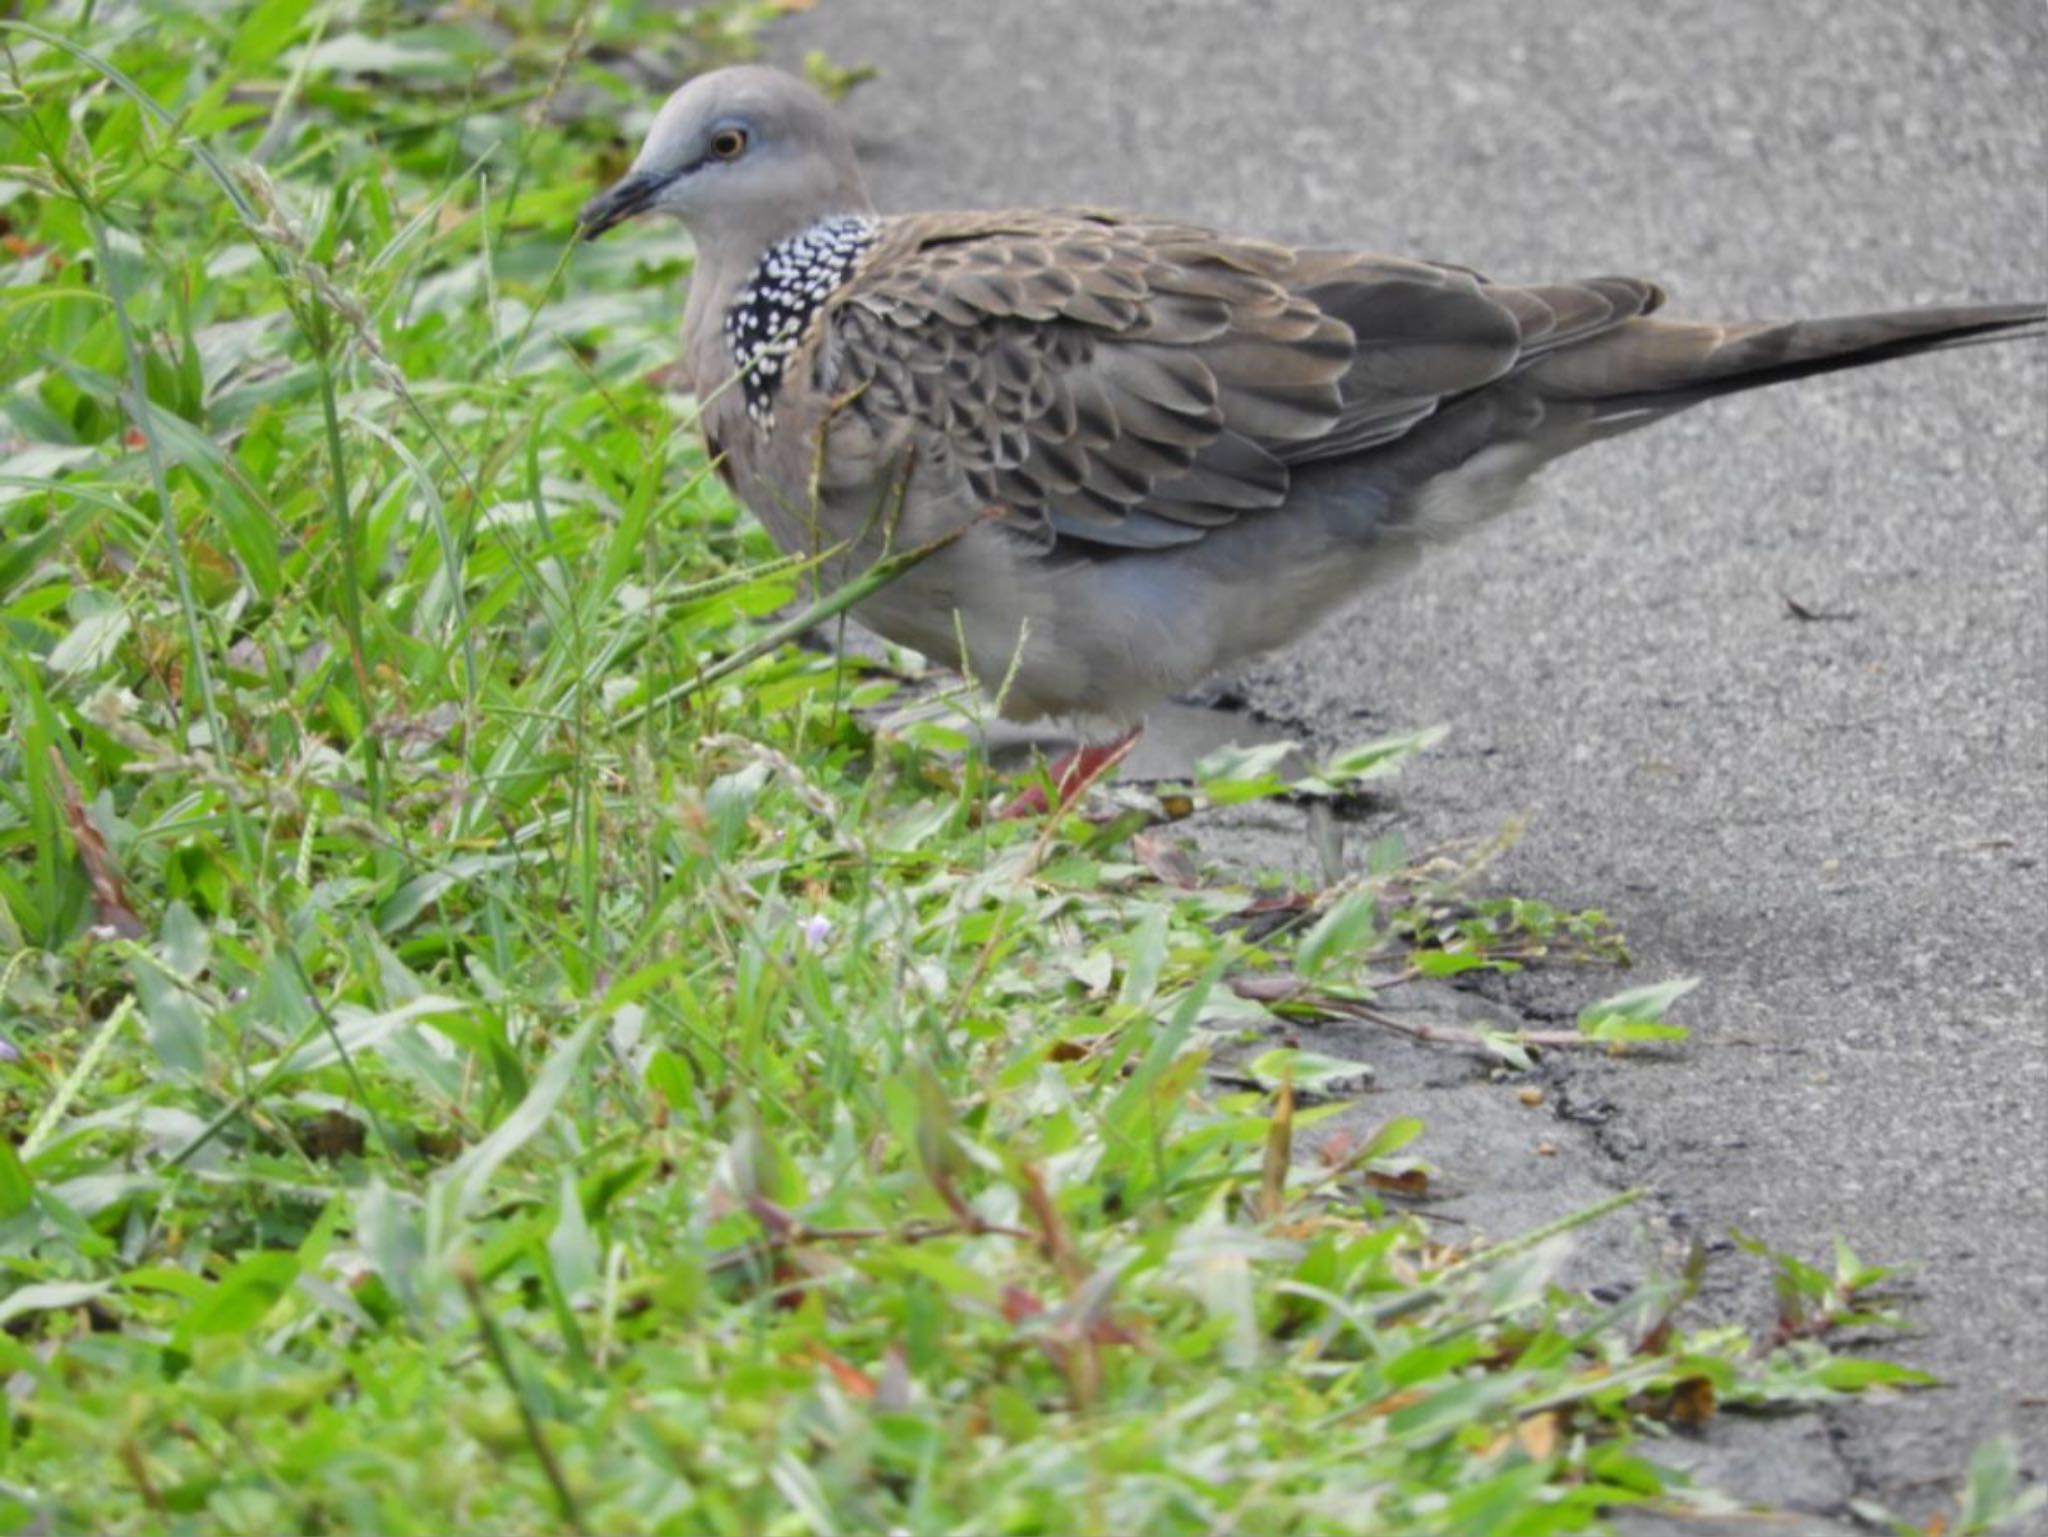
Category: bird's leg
<point>1071,773</point>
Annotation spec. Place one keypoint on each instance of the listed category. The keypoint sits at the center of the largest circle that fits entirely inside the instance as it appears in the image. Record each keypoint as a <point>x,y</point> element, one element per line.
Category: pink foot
<point>1071,773</point>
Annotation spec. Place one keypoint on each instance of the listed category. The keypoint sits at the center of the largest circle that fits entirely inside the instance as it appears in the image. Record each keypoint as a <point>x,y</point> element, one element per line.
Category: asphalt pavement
<point>1839,822</point>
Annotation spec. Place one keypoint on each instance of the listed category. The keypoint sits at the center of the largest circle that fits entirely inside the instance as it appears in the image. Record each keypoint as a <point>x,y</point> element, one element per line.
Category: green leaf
<point>99,625</point>
<point>1852,1374</point>
<point>1445,1409</point>
<point>1390,1138</point>
<point>360,53</point>
<point>1147,958</point>
<point>1638,1014</point>
<point>942,1270</point>
<point>265,30</point>
<point>1355,766</point>
<point>389,1229</point>
<point>572,1249</point>
<point>461,1186</point>
<point>17,1186</point>
<point>48,1297</point>
<point>185,941</point>
<point>668,1074</point>
<point>249,524</point>
<point>176,1027</point>
<point>1310,1072</point>
<point>422,891</point>
<point>1347,927</point>
<point>359,1032</point>
<point>1448,963</point>
<point>244,1297</point>
<point>1232,775</point>
<point>1992,1498</point>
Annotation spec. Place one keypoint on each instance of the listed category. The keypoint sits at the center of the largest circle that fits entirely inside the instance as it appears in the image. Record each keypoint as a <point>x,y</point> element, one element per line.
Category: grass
<point>491,1039</point>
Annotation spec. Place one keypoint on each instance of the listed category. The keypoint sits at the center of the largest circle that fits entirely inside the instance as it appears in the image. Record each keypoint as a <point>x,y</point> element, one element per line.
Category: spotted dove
<point>1176,448</point>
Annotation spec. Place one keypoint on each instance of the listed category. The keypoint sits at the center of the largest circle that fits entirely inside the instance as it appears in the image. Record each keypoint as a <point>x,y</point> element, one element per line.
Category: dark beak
<point>619,202</point>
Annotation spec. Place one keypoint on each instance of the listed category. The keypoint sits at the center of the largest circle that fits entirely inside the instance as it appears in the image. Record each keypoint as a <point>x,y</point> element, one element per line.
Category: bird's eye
<point>729,143</point>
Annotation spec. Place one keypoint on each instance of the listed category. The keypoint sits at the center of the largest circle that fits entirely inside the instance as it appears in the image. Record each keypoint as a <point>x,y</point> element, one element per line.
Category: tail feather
<point>1468,462</point>
<point>1658,365</point>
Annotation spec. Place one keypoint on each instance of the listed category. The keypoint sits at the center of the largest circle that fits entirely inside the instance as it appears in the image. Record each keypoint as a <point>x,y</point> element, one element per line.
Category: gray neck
<point>729,249</point>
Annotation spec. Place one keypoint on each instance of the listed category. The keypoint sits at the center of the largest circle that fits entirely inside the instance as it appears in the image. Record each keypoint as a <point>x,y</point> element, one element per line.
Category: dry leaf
<point>1075,1048</point>
<point>332,1135</point>
<point>1279,1155</point>
<point>1540,1435</point>
<point>1395,1402</point>
<point>1407,1182</point>
<point>1692,1402</point>
<point>1167,859</point>
<point>109,891</point>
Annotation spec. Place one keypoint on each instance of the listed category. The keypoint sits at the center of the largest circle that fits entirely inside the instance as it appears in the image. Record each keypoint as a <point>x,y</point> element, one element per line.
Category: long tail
<point>1657,366</point>
<point>1471,461</point>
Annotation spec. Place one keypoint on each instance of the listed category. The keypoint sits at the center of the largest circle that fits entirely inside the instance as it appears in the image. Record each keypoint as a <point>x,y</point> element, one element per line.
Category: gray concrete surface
<point>1841,825</point>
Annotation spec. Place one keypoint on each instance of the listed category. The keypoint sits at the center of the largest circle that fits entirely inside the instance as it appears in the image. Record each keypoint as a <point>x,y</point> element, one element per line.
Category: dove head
<point>744,157</point>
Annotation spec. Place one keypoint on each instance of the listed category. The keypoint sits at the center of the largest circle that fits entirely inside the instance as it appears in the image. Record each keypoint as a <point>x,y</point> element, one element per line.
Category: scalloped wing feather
<point>1134,384</point>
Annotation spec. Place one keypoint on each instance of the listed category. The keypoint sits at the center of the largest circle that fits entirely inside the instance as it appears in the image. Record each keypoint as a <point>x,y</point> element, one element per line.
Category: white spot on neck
<point>790,284</point>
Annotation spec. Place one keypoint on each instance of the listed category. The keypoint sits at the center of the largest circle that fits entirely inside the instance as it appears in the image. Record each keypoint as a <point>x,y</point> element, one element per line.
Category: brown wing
<point>1426,333</point>
<point>1134,384</point>
<point>1111,382</point>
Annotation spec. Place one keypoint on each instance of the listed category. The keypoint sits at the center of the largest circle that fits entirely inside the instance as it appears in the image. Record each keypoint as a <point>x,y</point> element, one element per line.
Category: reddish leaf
<point>1045,1216</point>
<point>1278,902</point>
<point>1019,1304</point>
<point>844,1372</point>
<point>109,891</point>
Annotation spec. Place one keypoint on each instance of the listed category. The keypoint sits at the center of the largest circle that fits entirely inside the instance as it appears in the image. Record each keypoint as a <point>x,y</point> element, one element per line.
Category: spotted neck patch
<point>793,278</point>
